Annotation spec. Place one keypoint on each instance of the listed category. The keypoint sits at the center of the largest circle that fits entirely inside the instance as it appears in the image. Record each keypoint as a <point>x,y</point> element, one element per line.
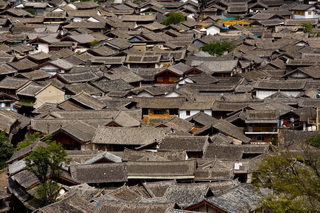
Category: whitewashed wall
<point>213,30</point>
<point>183,81</point>
<point>172,95</point>
<point>41,48</point>
<point>78,19</point>
<point>306,15</point>
<point>298,75</point>
<point>262,94</point>
<point>145,94</point>
<point>183,113</point>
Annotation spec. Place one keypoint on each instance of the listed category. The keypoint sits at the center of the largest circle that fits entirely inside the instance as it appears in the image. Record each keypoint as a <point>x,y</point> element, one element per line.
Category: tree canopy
<point>29,139</point>
<point>173,18</point>
<point>6,149</point>
<point>44,162</point>
<point>218,48</point>
<point>314,141</point>
<point>293,179</point>
<point>307,27</point>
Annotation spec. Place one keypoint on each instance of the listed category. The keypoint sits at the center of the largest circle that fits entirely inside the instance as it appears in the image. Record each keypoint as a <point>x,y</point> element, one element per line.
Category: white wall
<point>255,10</point>
<point>183,81</point>
<point>3,106</point>
<point>72,6</point>
<point>306,14</point>
<point>298,75</point>
<point>92,19</point>
<point>52,70</point>
<point>213,30</point>
<point>78,19</point>
<point>262,94</point>
<point>80,50</point>
<point>49,68</point>
<point>145,94</point>
<point>41,48</point>
<point>183,113</point>
<point>172,95</point>
<point>57,10</point>
<point>191,16</point>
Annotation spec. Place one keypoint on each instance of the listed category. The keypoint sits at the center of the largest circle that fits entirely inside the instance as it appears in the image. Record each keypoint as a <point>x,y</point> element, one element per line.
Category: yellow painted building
<point>228,23</point>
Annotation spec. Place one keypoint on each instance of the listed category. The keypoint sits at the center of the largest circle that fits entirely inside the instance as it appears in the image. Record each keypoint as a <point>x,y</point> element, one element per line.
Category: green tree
<point>218,48</point>
<point>293,180</point>
<point>44,162</point>
<point>30,139</point>
<point>94,42</point>
<point>31,11</point>
<point>307,27</point>
<point>45,194</point>
<point>173,18</point>
<point>6,149</point>
<point>314,141</point>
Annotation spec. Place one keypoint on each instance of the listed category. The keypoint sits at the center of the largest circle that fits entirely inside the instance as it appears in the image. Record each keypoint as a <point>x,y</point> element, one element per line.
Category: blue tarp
<point>226,19</point>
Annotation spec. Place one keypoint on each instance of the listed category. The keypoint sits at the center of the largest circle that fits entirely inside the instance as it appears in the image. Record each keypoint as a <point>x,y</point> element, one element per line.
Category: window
<point>173,79</point>
<point>160,79</point>
<point>309,13</point>
<point>35,45</point>
<point>173,112</point>
<point>7,104</point>
<point>187,112</point>
<point>158,111</point>
<point>145,112</point>
<point>260,138</point>
<point>298,13</point>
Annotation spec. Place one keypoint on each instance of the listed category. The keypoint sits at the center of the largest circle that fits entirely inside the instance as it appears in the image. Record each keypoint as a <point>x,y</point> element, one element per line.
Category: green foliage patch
<point>6,149</point>
<point>218,48</point>
<point>173,18</point>
<point>46,162</point>
<point>293,180</point>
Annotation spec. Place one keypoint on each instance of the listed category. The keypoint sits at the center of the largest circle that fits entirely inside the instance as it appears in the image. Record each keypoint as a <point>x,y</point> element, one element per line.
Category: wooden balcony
<point>312,121</point>
<point>261,130</point>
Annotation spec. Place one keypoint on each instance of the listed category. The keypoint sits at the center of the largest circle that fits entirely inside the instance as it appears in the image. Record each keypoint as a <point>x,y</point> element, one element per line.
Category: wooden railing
<point>261,129</point>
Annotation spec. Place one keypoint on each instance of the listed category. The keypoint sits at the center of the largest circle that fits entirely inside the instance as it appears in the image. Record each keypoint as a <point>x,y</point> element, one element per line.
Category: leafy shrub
<point>173,18</point>
<point>218,48</point>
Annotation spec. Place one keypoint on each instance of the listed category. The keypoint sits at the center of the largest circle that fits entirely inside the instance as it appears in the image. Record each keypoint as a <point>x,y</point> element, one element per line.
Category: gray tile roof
<point>99,173</point>
<point>242,198</point>
<point>129,136</point>
<point>63,64</point>
<point>160,103</point>
<point>88,101</point>
<point>161,170</point>
<point>188,143</point>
